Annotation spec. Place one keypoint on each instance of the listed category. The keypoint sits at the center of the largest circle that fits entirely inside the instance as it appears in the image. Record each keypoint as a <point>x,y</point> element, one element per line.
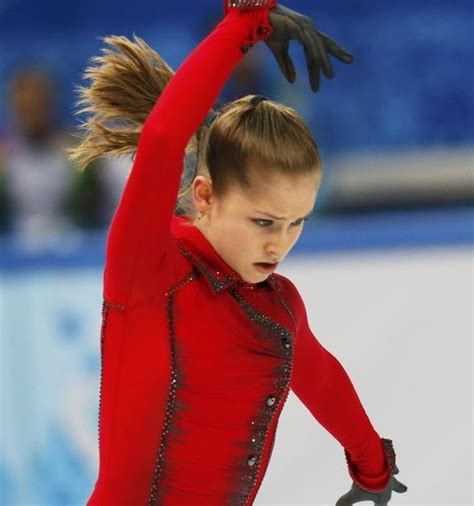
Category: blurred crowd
<point>422,157</point>
<point>42,194</point>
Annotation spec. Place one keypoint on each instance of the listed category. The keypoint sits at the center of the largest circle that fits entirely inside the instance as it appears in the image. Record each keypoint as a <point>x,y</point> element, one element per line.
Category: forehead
<point>280,194</point>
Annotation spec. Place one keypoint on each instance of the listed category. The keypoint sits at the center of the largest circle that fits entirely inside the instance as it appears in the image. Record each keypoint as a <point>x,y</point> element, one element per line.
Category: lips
<point>266,267</point>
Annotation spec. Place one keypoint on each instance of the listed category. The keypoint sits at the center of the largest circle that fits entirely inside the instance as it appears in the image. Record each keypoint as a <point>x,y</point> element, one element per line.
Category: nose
<point>281,240</point>
<point>277,247</point>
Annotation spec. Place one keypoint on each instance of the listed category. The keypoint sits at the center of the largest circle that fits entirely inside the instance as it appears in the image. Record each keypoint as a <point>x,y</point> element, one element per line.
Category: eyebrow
<point>278,217</point>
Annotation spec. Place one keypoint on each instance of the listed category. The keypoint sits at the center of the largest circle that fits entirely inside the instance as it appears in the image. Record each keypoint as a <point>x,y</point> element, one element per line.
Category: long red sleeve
<point>322,384</point>
<point>140,230</point>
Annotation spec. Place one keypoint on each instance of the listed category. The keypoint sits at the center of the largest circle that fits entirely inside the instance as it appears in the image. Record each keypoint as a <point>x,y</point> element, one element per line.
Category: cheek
<point>298,234</point>
<point>295,238</point>
<point>240,241</point>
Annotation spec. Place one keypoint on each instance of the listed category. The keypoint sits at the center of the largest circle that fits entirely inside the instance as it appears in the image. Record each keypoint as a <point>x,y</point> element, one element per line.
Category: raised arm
<point>139,234</point>
<point>322,384</point>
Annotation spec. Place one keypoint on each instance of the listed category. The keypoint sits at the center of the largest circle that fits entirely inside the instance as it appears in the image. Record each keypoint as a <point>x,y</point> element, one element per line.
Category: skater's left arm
<point>322,384</point>
<point>320,381</point>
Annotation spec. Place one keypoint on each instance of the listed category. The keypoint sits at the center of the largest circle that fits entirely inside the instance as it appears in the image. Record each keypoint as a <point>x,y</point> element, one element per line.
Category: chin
<point>255,279</point>
<point>259,279</point>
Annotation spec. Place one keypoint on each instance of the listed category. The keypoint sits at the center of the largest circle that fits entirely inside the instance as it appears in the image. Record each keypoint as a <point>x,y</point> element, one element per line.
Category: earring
<point>200,215</point>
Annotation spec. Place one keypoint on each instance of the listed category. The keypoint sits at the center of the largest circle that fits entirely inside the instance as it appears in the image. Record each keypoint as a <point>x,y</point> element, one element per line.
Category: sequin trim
<point>242,4</point>
<point>271,327</point>
<point>390,457</point>
<point>251,4</point>
<point>250,466</point>
<point>287,308</point>
<point>177,380</point>
<point>187,279</point>
<point>106,306</point>
<point>218,280</point>
<point>274,283</point>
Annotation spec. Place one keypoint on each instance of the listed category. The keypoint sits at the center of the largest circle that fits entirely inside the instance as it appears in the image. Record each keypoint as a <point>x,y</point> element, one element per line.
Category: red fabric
<point>196,363</point>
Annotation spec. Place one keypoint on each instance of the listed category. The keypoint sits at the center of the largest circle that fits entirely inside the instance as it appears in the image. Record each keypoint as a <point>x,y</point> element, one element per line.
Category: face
<point>262,226</point>
<point>31,100</point>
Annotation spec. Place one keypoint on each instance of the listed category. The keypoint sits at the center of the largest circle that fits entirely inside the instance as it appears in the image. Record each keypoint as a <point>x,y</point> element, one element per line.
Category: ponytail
<point>125,82</point>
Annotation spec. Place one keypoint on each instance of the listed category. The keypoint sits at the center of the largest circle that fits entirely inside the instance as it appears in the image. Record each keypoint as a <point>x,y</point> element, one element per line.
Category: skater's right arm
<point>139,235</point>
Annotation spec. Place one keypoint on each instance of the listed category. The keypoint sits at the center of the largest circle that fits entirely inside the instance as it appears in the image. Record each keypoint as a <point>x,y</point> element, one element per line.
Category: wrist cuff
<point>248,4</point>
<point>380,483</point>
<point>256,21</point>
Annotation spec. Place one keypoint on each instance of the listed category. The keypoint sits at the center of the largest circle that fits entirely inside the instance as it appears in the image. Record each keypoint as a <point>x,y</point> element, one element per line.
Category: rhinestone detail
<point>187,279</point>
<point>251,460</point>
<point>271,328</point>
<point>271,401</point>
<point>390,457</point>
<point>242,4</point>
<point>274,283</point>
<point>176,381</point>
<point>253,4</point>
<point>106,306</point>
<point>218,282</point>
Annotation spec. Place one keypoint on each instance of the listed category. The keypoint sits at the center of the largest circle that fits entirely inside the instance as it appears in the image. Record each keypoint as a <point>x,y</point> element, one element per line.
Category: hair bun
<point>257,99</point>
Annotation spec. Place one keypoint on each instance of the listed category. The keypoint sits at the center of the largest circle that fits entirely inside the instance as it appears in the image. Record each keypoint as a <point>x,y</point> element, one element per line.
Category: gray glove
<point>358,494</point>
<point>381,498</point>
<point>288,25</point>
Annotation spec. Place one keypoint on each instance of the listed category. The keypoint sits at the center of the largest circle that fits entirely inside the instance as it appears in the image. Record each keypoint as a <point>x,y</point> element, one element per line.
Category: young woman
<point>201,339</point>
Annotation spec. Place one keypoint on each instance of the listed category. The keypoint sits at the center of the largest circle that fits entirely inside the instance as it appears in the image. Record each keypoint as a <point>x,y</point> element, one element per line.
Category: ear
<point>202,193</point>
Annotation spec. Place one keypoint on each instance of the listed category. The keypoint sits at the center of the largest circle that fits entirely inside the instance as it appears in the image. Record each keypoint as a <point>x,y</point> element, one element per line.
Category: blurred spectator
<point>41,194</point>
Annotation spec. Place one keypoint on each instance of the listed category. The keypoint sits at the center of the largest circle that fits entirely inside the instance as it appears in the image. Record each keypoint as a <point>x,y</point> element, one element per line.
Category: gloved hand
<point>290,25</point>
<point>381,498</point>
<point>358,493</point>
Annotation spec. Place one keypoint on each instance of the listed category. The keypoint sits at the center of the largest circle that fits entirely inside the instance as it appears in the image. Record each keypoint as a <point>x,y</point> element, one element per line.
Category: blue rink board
<point>390,230</point>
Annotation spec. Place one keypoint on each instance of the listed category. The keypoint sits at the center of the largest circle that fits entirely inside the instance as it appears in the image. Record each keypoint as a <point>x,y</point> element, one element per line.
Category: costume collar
<point>195,246</point>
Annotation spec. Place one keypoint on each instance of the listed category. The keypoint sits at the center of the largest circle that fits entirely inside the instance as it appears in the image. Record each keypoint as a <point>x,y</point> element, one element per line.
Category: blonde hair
<point>125,82</point>
<point>245,137</point>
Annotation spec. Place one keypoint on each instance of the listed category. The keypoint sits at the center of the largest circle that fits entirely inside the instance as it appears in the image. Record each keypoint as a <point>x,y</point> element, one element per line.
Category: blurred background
<point>384,264</point>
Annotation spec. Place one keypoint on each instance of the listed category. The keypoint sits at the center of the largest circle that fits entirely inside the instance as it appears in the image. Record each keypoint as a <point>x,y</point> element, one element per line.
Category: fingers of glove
<point>280,51</point>
<point>398,486</point>
<point>313,69</point>
<point>346,499</point>
<point>312,57</point>
<point>323,60</point>
<point>335,49</point>
<point>354,496</point>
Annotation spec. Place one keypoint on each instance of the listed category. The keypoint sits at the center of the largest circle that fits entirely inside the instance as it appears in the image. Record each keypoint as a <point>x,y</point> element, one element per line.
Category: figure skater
<point>201,339</point>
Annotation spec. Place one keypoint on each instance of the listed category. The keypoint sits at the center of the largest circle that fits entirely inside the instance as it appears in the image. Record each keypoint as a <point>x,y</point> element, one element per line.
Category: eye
<point>267,223</point>
<point>299,222</point>
<point>263,223</point>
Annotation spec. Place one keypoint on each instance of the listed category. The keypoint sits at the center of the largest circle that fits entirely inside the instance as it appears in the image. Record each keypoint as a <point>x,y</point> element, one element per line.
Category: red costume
<point>197,363</point>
